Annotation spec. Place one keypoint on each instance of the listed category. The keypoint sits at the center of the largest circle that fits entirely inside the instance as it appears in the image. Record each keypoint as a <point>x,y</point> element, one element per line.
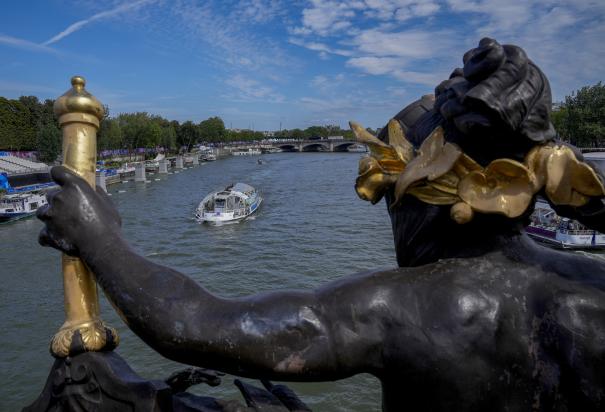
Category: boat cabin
<point>235,198</point>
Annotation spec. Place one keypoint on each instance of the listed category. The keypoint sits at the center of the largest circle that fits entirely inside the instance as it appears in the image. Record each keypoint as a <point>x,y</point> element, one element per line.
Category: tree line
<point>27,123</point>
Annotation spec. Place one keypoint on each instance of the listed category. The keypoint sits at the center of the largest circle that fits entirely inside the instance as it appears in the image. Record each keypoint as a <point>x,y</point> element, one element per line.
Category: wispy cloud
<point>226,36</point>
<point>319,47</point>
<point>247,89</point>
<point>258,11</point>
<point>26,88</point>
<point>326,18</point>
<point>123,8</point>
<point>25,44</point>
<point>370,33</point>
<point>415,44</point>
<point>413,41</point>
<point>565,38</point>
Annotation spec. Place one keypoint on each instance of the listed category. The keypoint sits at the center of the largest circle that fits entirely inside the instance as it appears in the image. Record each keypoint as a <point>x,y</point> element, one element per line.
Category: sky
<point>266,64</point>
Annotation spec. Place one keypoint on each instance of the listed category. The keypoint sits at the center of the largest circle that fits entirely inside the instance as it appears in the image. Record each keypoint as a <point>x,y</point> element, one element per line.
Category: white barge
<point>234,203</point>
<point>20,205</point>
<point>560,232</point>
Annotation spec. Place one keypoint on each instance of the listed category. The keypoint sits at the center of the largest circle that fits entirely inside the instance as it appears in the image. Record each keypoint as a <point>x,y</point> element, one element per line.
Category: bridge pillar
<point>100,180</point>
<point>163,169</point>
<point>139,172</point>
<point>179,162</point>
<point>196,159</point>
<point>331,146</point>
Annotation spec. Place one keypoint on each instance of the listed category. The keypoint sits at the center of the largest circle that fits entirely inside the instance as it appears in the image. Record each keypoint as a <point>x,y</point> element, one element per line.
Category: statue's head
<point>470,166</point>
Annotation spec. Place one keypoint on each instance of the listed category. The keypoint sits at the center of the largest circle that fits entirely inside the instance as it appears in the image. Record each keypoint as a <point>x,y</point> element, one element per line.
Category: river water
<point>311,228</point>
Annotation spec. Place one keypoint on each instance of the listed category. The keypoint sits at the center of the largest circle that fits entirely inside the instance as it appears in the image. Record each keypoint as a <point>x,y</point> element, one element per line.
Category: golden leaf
<point>435,158</point>
<point>379,149</point>
<point>504,187</point>
<point>397,139</point>
<point>569,181</point>
<point>432,195</point>
<point>372,182</point>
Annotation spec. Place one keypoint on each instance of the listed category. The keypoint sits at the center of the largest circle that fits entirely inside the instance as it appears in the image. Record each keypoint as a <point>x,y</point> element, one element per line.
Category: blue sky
<point>259,63</point>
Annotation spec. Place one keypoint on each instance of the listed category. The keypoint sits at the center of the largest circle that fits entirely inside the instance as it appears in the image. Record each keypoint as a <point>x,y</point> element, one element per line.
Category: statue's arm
<point>329,333</point>
<point>285,334</point>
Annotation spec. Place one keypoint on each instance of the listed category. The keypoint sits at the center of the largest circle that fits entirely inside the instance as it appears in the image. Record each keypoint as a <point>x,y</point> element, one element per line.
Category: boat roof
<point>594,155</point>
<point>234,189</point>
<point>242,187</point>
<point>18,195</point>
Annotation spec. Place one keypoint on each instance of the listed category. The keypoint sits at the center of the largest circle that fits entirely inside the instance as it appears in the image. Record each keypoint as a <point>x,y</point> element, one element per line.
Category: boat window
<point>220,203</point>
<point>33,206</point>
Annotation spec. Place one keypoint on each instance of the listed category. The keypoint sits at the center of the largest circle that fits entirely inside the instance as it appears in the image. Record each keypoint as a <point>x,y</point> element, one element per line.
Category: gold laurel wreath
<point>439,173</point>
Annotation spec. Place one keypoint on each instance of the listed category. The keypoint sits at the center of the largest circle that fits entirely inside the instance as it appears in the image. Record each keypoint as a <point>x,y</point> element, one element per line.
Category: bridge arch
<point>288,147</point>
<point>343,147</point>
<point>315,147</point>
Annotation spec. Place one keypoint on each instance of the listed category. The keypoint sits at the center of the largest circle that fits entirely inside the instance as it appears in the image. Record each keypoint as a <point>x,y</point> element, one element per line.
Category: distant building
<point>336,138</point>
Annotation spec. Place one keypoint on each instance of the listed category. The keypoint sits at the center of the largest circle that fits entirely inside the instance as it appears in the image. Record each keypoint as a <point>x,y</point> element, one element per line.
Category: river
<point>311,228</point>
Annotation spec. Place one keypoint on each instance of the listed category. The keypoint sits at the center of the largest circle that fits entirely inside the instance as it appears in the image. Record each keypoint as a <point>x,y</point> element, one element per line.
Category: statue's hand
<point>76,215</point>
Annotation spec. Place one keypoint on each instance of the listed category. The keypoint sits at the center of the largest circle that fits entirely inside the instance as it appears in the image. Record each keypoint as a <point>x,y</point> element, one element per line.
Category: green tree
<point>47,114</point>
<point>297,134</point>
<point>316,131</point>
<point>168,140</point>
<point>110,135</point>
<point>33,112</point>
<point>212,130</point>
<point>151,136</point>
<point>17,132</point>
<point>581,119</point>
<point>49,143</point>
<point>187,135</point>
<point>134,127</point>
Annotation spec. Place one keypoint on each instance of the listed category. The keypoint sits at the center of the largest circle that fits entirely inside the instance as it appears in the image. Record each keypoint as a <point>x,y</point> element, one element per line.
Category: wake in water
<point>599,256</point>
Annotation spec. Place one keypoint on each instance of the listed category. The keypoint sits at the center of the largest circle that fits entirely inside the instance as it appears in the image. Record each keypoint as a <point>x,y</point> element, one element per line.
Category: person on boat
<point>476,317</point>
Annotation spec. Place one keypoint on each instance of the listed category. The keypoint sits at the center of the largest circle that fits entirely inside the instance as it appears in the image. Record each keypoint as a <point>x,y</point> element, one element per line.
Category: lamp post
<point>79,115</point>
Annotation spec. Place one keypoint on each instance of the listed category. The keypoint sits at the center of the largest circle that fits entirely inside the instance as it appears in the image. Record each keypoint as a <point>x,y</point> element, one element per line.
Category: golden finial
<point>78,100</point>
<point>79,115</point>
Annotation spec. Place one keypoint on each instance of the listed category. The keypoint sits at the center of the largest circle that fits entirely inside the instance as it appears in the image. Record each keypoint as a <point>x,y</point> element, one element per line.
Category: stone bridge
<point>304,146</point>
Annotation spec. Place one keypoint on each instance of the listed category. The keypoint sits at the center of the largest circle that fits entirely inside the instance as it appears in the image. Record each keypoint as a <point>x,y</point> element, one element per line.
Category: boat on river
<point>560,232</point>
<point>234,203</point>
<point>20,205</point>
<point>249,152</point>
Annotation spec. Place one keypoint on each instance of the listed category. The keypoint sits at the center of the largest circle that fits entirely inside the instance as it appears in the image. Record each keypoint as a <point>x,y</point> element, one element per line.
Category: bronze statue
<point>477,316</point>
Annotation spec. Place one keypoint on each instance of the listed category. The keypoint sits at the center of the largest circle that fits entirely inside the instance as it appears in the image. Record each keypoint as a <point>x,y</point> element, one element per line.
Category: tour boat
<point>20,205</point>
<point>249,152</point>
<point>358,148</point>
<point>235,202</point>
<point>549,228</point>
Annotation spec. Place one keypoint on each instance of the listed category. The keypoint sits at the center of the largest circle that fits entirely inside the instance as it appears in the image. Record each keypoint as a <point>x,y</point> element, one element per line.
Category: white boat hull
<point>221,215</point>
<point>562,233</point>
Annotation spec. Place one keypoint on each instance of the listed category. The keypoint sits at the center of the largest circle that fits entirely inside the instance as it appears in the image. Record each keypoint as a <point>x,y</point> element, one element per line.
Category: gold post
<point>79,115</point>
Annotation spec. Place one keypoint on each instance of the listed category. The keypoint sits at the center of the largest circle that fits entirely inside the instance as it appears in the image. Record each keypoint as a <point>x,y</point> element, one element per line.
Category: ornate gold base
<point>94,336</point>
